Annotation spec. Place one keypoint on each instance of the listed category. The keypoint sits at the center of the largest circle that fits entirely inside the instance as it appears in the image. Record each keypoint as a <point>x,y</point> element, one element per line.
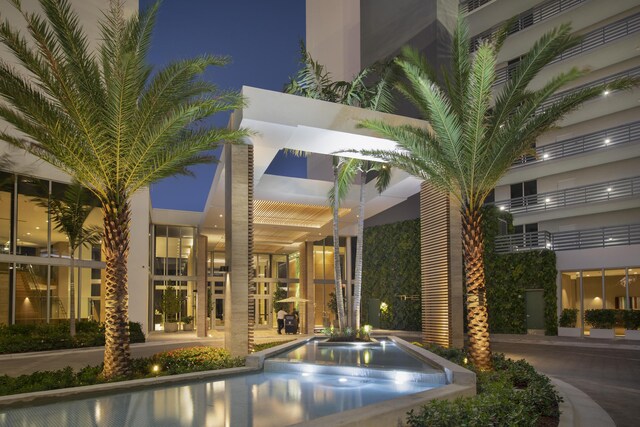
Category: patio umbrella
<point>294,300</point>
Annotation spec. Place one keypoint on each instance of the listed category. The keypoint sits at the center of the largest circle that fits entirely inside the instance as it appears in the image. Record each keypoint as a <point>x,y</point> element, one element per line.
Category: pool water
<point>286,392</point>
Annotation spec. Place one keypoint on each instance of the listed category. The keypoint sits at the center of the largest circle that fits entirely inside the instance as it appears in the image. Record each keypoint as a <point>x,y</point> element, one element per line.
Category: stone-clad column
<point>237,248</point>
<point>201,287</point>
<point>441,268</point>
<point>306,281</point>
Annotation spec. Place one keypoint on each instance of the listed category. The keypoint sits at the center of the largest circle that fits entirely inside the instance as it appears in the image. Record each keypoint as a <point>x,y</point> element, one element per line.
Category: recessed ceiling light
<point>606,92</point>
<point>606,141</point>
<point>547,200</point>
<point>28,234</point>
<point>220,215</point>
<point>609,190</point>
<point>37,228</point>
<point>545,156</point>
<point>502,208</point>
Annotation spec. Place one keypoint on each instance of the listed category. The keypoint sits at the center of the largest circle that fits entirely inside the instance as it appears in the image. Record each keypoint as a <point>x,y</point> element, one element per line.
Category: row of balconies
<point>594,193</point>
<point>601,140</point>
<point>525,19</point>
<point>592,40</point>
<point>570,240</point>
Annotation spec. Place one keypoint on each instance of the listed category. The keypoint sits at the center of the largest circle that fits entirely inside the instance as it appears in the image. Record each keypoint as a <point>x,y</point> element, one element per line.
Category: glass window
<point>5,293</point>
<point>31,293</point>
<point>279,266</point>
<point>59,291</point>
<point>159,264</point>
<point>615,288</point>
<point>592,291</point>
<point>32,223</point>
<point>6,211</point>
<point>571,291</point>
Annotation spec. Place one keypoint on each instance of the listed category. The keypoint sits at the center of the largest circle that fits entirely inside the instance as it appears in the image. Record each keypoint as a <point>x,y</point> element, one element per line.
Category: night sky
<point>262,38</point>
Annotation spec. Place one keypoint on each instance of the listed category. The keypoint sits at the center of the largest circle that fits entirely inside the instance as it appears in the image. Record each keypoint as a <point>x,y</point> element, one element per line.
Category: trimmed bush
<point>513,394</point>
<point>601,318</point>
<point>55,336</point>
<point>194,359</point>
<point>266,345</point>
<point>569,318</point>
<point>170,362</point>
<point>631,319</point>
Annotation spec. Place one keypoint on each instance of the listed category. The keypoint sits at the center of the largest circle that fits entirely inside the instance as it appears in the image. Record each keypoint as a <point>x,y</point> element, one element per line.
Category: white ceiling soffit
<point>280,121</point>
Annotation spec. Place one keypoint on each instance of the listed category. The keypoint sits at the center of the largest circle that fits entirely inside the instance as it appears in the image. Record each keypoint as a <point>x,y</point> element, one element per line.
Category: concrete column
<point>237,201</point>
<point>201,287</point>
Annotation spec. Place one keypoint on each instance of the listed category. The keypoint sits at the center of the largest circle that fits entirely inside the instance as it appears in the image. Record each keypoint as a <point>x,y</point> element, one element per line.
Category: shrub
<point>55,336</point>
<point>194,359</point>
<point>569,318</point>
<point>513,394</point>
<point>601,318</point>
<point>631,319</point>
<point>171,362</point>
<point>348,334</point>
<point>266,345</point>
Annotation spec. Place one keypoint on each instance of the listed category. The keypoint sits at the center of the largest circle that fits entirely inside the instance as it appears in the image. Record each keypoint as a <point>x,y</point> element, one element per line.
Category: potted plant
<point>187,323</point>
<point>568,320</point>
<point>631,320</point>
<point>602,322</point>
<point>170,308</point>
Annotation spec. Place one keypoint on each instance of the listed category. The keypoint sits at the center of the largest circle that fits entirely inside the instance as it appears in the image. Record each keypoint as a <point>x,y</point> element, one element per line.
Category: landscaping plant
<point>512,394</point>
<point>475,134</point>
<point>601,318</point>
<point>569,318</point>
<point>103,117</point>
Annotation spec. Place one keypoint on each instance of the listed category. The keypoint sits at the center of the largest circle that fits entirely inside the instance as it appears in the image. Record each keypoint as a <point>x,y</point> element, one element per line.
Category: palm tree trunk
<point>477,316</point>
<point>357,286</point>
<point>117,354</point>
<point>72,296</point>
<point>337,271</point>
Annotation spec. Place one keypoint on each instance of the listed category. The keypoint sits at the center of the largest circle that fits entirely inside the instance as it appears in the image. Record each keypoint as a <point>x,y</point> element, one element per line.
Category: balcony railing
<point>527,18</point>
<point>592,40</point>
<point>601,192</point>
<point>469,5</point>
<point>600,140</point>
<point>633,72</point>
<point>620,235</point>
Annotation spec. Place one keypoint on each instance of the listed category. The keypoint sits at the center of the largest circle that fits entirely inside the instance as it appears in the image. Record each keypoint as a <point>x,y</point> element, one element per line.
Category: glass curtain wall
<point>323,260</point>
<point>33,290</point>
<point>174,275</point>
<point>215,289</point>
<point>614,288</point>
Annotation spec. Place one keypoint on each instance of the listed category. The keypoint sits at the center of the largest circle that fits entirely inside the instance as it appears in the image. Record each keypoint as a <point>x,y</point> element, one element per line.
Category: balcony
<point>469,5</point>
<point>621,235</point>
<point>601,140</point>
<point>525,19</point>
<point>592,40</point>
<point>633,72</point>
<point>595,193</point>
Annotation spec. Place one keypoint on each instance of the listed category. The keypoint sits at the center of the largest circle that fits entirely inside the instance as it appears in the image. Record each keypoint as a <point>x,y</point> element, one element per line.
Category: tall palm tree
<point>474,138</point>
<point>102,117</point>
<point>352,168</point>
<point>370,89</point>
<point>69,214</point>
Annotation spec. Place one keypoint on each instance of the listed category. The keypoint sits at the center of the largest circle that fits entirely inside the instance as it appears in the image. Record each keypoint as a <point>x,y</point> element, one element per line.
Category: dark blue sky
<point>261,36</point>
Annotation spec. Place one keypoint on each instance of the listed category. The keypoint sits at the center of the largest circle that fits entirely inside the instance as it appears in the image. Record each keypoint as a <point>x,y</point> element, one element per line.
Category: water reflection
<point>261,400</point>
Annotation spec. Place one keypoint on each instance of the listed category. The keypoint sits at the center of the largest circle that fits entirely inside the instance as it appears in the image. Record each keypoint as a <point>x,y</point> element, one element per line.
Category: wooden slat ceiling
<point>269,212</point>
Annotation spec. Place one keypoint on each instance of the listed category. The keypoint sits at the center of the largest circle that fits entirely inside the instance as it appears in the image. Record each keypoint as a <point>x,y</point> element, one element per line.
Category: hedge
<point>55,336</point>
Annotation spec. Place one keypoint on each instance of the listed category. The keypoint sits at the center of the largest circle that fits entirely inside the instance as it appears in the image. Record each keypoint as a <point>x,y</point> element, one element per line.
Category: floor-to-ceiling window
<point>611,288</point>
<point>323,267</point>
<point>174,274</point>
<point>35,285</point>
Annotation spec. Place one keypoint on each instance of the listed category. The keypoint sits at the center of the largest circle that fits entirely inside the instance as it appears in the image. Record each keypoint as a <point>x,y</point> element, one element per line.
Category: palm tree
<point>352,168</point>
<point>103,118</point>
<point>474,138</point>
<point>69,215</point>
<point>314,81</point>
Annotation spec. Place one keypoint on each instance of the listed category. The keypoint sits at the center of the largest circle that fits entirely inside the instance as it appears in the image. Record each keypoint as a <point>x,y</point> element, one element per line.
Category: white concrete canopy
<point>282,121</point>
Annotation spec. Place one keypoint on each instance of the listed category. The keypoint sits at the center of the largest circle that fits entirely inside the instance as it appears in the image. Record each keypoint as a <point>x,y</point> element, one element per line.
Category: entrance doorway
<point>534,301</point>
